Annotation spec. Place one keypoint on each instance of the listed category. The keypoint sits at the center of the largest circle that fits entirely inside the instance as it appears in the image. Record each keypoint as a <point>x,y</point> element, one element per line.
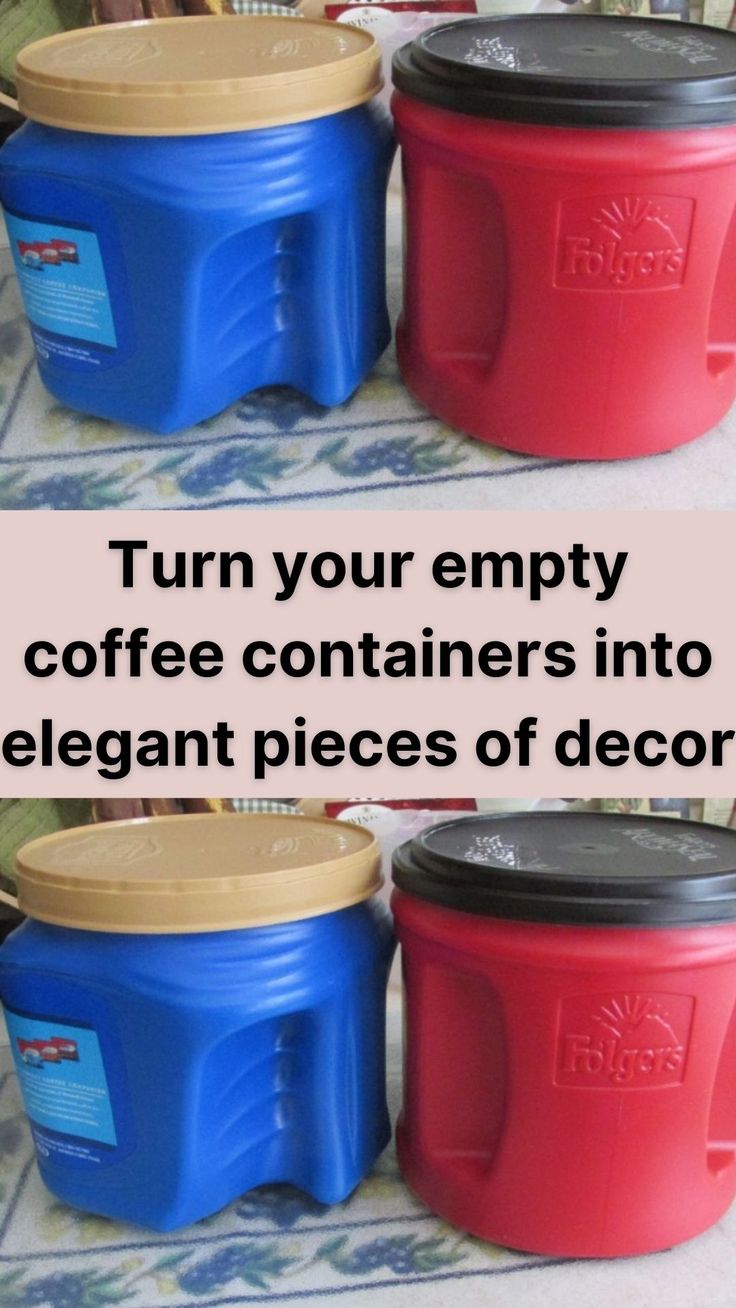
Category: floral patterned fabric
<point>275,448</point>
<point>272,1244</point>
<point>275,1245</point>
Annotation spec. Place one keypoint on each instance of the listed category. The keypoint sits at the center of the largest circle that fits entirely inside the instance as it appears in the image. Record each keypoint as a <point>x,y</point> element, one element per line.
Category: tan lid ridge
<point>192,76</point>
<point>197,872</point>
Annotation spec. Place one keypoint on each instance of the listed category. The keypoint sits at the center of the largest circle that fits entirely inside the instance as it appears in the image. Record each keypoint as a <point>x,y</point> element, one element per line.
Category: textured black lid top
<point>575,70</point>
<point>595,868</point>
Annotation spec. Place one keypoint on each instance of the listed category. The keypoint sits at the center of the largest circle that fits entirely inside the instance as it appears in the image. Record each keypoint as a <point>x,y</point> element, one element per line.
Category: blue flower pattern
<point>274,1241</point>
<point>273,446</point>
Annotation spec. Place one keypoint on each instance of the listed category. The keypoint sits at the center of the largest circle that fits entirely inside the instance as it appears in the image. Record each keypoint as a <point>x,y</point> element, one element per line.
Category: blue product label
<point>64,1084</point>
<point>64,287</point>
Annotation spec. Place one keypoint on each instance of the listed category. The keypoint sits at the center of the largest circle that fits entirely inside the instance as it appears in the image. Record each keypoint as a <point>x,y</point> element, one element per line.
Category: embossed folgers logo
<point>618,1041</point>
<point>625,242</point>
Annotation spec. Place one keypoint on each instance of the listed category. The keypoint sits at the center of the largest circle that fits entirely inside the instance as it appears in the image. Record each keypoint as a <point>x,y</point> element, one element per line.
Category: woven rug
<point>276,448</point>
<point>275,1245</point>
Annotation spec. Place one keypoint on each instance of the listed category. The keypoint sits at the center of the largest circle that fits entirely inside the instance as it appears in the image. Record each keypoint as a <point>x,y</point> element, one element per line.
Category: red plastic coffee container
<point>570,1043</point>
<point>570,230</point>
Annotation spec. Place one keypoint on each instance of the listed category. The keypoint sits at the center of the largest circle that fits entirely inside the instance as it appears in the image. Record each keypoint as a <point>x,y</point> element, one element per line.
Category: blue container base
<point>330,389</point>
<point>132,1207</point>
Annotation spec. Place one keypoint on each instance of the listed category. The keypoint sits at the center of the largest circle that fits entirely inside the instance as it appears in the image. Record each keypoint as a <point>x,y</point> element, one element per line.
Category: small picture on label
<point>47,254</point>
<point>57,1049</point>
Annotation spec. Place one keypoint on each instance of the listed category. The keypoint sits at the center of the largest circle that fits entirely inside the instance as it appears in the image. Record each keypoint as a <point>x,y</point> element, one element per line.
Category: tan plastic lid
<point>189,76</point>
<point>196,872</point>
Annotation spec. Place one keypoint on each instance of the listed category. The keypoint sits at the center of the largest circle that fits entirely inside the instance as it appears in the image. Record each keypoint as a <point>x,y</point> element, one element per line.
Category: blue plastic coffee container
<point>196,1006</point>
<point>196,210</point>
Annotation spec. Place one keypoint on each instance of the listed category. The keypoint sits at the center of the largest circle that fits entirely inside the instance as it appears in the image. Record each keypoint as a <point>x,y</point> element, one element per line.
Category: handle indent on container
<point>720,358</point>
<point>721,342</point>
<point>721,1154</point>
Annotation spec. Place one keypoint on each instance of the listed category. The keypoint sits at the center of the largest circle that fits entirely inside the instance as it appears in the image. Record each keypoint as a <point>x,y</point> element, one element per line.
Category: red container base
<point>554,1239</point>
<point>568,1090</point>
<point>576,440</point>
<point>568,292</point>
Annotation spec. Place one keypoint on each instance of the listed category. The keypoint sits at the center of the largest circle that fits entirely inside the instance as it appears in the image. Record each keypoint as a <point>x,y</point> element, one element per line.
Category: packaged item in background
<point>570,1040</point>
<point>677,10</point>
<point>394,22</point>
<point>507,805</point>
<point>529,805</point>
<point>720,811</point>
<point>392,821</point>
<point>498,8</point>
<point>190,289</point>
<point>677,808</point>
<point>185,957</point>
<point>396,819</point>
<point>714,13</point>
<point>717,13</point>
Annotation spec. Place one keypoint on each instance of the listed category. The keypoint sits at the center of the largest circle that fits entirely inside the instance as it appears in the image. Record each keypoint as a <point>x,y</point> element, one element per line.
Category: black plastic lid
<point>600,869</point>
<point>575,70</point>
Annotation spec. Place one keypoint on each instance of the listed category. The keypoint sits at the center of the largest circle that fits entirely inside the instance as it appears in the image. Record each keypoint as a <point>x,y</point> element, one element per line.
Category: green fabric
<point>23,21</point>
<point>22,820</point>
